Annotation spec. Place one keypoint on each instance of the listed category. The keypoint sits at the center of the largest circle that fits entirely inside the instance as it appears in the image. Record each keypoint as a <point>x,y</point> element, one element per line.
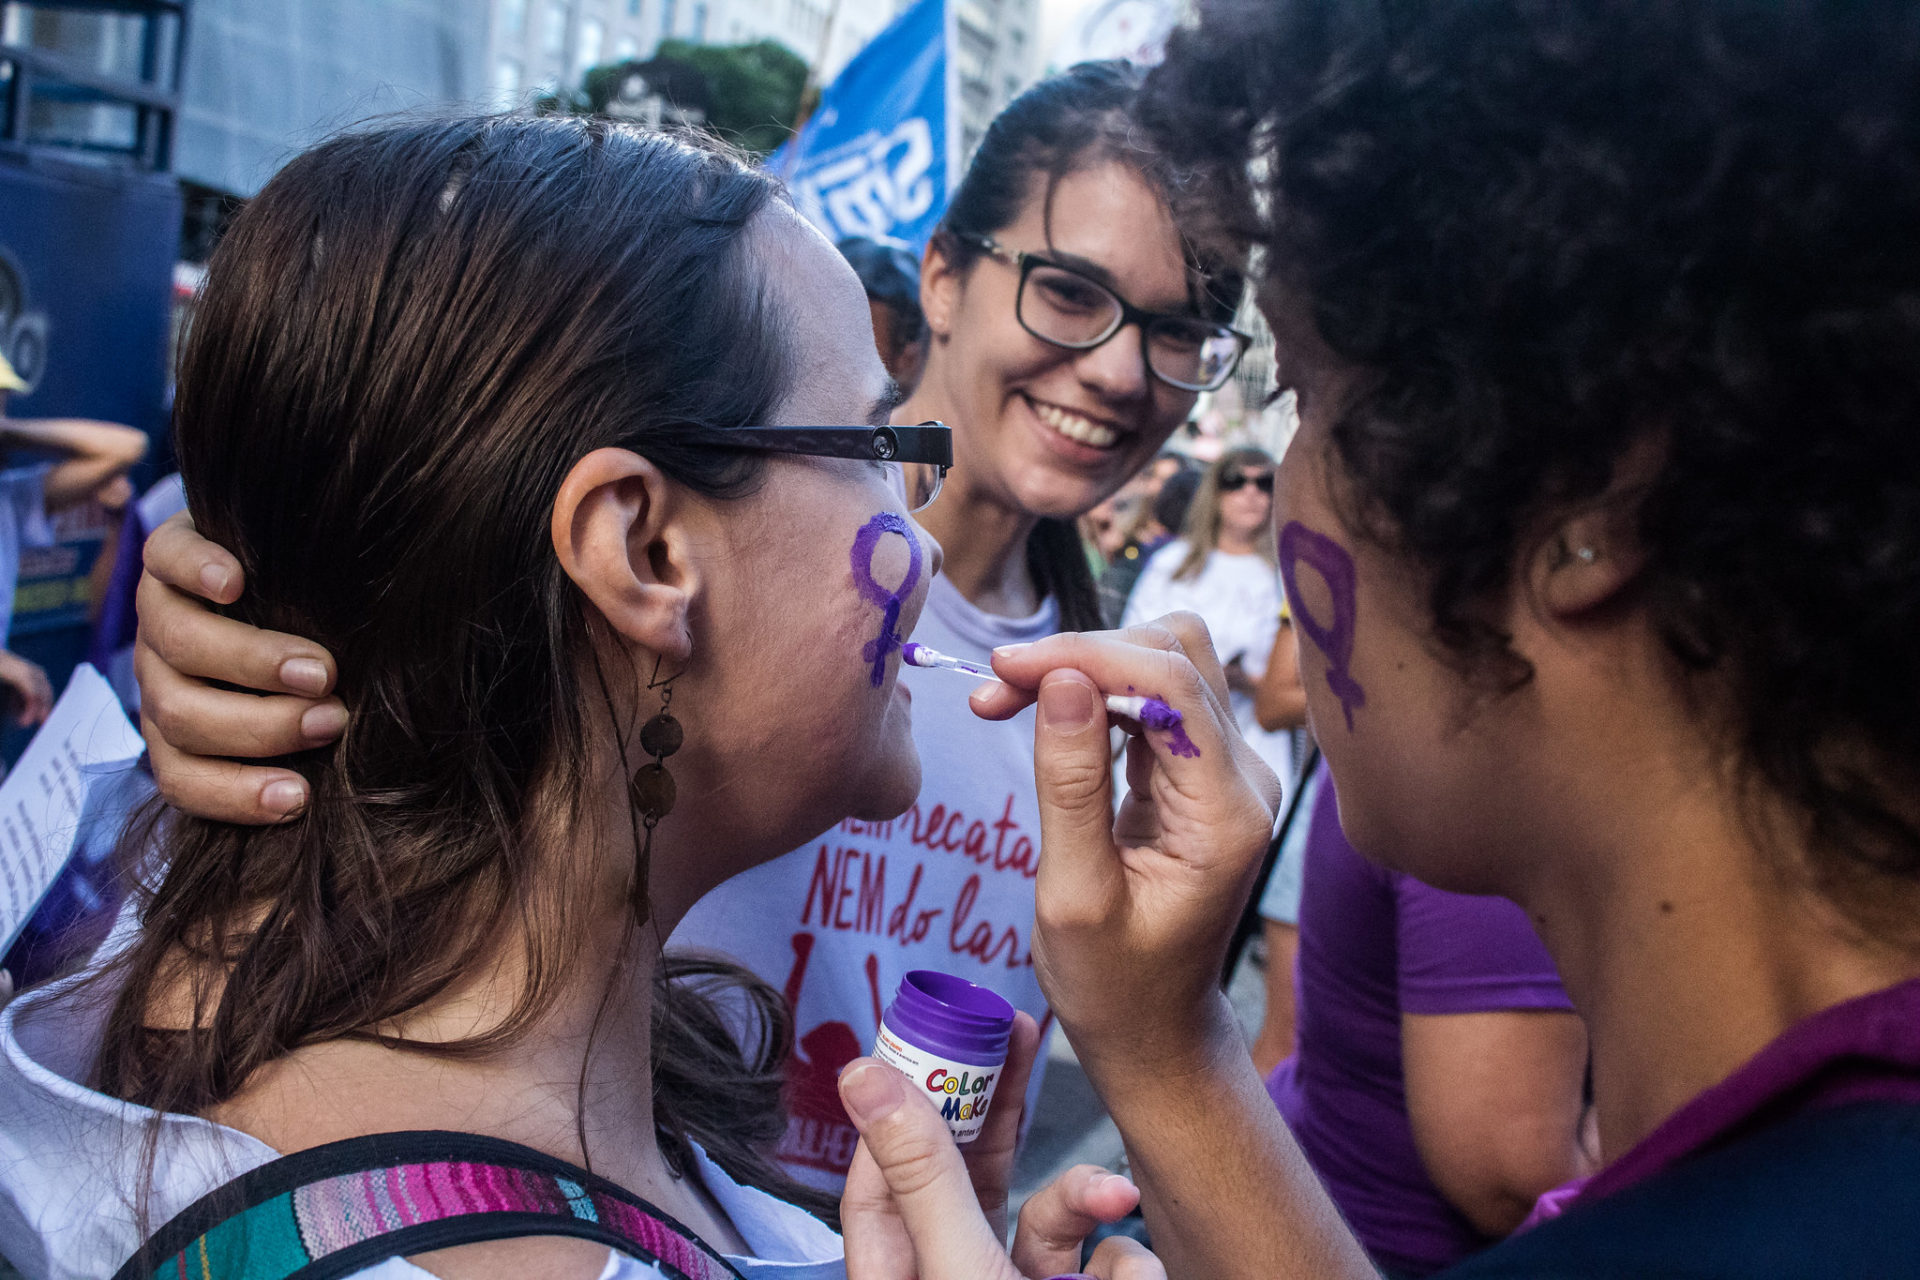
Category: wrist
<point>1145,1055</point>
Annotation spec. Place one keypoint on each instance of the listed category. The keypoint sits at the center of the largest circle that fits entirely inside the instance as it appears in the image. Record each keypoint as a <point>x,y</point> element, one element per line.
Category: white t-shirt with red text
<point>947,886</point>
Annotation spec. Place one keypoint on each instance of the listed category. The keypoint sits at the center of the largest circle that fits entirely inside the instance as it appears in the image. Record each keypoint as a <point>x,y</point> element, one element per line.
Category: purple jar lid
<point>951,1017</point>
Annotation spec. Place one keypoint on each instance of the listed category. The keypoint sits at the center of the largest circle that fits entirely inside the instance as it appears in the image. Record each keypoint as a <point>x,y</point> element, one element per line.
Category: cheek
<point>889,571</point>
<point>1322,589</point>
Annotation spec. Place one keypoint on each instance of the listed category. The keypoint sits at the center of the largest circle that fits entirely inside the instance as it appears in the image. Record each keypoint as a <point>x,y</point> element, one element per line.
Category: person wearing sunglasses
<point>1071,327</point>
<point>1223,568</point>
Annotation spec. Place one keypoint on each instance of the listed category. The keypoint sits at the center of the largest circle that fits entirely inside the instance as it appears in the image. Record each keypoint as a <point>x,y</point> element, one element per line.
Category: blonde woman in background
<point>1223,567</point>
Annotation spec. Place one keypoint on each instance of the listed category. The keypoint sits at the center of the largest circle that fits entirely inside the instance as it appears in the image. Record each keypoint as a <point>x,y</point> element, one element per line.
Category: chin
<point>891,791</point>
<point>1050,491</point>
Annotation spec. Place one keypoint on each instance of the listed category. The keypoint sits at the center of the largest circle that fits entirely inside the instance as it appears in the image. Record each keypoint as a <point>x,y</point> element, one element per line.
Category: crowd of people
<point>52,464</point>
<point>548,812</point>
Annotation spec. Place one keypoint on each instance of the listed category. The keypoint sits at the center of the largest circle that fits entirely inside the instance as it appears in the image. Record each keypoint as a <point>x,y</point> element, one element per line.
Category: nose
<point>1117,368</point>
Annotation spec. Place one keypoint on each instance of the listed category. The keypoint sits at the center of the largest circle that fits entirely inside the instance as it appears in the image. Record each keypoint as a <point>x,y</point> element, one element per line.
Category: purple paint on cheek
<point>889,600</point>
<point>1158,715</point>
<point>1333,637</point>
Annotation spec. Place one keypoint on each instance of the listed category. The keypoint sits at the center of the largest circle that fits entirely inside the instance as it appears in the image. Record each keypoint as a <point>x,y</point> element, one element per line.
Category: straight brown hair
<point>405,341</point>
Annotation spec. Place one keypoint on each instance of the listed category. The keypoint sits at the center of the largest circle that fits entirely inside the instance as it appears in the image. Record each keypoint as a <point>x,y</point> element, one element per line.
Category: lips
<point>1074,426</point>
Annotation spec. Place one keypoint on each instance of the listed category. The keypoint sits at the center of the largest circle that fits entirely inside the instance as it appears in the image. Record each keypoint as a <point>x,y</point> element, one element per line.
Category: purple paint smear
<point>1158,715</point>
<point>865,543</point>
<point>1334,638</point>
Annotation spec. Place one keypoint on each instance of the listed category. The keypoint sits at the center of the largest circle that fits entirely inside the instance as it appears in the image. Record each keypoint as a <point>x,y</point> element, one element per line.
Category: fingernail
<point>1008,650</point>
<point>304,675</point>
<point>871,1092</point>
<point>1066,706</point>
<point>1107,1180</point>
<point>214,578</point>
<point>283,797</point>
<point>324,722</point>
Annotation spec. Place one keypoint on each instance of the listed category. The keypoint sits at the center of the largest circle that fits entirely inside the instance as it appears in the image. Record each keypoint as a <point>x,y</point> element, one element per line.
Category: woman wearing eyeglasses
<point>529,458</point>
<point>1071,330</point>
<point>1070,333</point>
<point>1223,568</point>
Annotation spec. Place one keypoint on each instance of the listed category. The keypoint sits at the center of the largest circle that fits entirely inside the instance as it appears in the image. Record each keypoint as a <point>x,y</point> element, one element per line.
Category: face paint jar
<point>949,1038</point>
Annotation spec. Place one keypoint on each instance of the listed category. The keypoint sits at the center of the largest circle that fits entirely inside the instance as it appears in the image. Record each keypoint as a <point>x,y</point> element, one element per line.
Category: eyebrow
<point>883,406</point>
<point>1093,270</point>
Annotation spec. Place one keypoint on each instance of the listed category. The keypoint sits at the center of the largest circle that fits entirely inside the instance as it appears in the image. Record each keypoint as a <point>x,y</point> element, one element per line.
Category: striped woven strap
<point>330,1211</point>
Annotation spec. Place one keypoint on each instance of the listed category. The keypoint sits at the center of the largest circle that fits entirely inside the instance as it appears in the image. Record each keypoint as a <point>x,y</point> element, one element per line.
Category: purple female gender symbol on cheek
<point>1334,639</point>
<point>865,543</point>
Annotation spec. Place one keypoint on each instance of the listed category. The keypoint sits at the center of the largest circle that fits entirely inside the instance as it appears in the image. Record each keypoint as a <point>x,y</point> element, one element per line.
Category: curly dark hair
<point>1544,230</point>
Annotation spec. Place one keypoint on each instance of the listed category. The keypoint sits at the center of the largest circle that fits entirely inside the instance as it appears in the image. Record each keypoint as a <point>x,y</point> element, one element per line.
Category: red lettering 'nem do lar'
<point>849,891</point>
<point>853,890</point>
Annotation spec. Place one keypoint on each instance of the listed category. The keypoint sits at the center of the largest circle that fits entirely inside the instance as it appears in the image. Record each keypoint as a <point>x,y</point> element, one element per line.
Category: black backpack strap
<point>332,1210</point>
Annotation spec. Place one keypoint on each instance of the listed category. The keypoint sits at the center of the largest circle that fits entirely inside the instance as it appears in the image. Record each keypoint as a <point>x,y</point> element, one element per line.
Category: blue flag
<point>875,158</point>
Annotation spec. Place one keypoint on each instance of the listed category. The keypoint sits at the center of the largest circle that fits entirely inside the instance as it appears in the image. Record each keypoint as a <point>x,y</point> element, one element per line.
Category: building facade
<point>263,78</point>
<point>997,54</point>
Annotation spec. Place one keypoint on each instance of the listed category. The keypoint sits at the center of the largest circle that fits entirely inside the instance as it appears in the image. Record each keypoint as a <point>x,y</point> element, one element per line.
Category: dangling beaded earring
<point>651,790</point>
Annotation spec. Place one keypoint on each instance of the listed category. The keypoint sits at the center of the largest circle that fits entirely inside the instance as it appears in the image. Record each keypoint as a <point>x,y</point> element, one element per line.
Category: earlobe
<point>617,532</point>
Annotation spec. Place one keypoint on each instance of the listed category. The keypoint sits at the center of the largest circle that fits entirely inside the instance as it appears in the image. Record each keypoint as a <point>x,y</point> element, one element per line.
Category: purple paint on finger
<point>1334,636</point>
<point>1156,714</point>
<point>889,600</point>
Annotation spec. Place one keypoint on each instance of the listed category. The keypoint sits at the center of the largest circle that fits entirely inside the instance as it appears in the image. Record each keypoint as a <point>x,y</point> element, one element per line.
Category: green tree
<point>755,87</point>
<point>753,90</point>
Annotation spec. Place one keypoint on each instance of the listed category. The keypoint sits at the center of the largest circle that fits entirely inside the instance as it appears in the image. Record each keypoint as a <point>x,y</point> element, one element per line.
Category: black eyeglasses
<point>917,459</point>
<point>1233,481</point>
<point>1071,309</point>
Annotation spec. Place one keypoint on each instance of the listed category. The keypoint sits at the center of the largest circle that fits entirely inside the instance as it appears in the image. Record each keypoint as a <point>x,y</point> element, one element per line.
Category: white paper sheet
<point>84,743</point>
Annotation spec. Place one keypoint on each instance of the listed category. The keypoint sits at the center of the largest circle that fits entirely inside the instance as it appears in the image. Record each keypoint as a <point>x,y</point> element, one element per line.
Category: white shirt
<point>1239,598</point>
<point>71,1161</point>
<point>947,886</point>
<point>23,523</point>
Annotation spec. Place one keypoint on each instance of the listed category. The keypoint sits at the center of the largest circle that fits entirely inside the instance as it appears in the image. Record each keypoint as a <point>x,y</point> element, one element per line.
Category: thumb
<point>909,1143</point>
<point>1073,772</point>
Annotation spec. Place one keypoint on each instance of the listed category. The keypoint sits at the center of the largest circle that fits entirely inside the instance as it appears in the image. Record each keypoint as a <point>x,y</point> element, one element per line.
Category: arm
<point>1495,1100</point>
<point>92,453</point>
<point>1280,700</point>
<point>1227,1192</point>
<point>1133,915</point>
<point>1275,1040</point>
<point>26,681</point>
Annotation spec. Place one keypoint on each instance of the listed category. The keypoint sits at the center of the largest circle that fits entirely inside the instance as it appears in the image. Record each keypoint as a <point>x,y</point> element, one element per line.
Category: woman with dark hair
<point>891,277</point>
<point>1606,510</point>
<point>1072,327</point>
<point>560,436</point>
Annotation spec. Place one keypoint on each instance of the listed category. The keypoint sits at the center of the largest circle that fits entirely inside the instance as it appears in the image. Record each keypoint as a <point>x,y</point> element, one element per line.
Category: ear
<point>940,283</point>
<point>617,530</point>
<point>1591,553</point>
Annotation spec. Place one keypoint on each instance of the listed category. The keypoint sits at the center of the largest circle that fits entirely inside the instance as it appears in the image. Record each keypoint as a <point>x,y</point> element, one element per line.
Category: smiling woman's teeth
<point>1073,426</point>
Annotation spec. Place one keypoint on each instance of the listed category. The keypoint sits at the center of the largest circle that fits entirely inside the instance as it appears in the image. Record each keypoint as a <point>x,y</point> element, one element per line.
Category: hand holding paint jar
<point>949,1038</point>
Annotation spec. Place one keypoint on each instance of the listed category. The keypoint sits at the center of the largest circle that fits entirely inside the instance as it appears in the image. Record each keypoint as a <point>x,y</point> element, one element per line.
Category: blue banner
<point>875,158</point>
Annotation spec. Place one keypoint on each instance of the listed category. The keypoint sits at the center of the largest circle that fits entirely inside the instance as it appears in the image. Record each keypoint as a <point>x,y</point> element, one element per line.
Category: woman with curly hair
<point>1602,529</point>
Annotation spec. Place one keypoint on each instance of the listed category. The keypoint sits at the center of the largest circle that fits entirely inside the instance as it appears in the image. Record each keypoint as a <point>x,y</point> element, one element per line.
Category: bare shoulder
<point>550,1257</point>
